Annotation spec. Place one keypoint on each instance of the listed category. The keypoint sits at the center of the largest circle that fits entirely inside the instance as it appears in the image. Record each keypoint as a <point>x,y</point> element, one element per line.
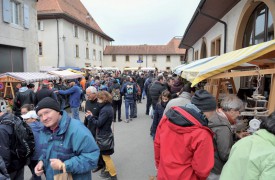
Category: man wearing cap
<point>75,95</point>
<point>183,142</point>
<point>44,92</point>
<point>65,143</point>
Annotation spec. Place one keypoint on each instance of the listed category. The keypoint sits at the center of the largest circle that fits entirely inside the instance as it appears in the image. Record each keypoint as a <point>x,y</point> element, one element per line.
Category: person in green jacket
<point>253,157</point>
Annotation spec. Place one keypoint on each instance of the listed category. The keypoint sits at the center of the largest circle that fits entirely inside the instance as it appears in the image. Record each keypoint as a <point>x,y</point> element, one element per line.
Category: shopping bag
<point>64,175</point>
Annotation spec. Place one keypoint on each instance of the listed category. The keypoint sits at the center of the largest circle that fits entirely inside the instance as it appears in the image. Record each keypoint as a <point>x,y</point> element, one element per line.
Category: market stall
<point>64,75</point>
<point>29,77</point>
<point>224,68</point>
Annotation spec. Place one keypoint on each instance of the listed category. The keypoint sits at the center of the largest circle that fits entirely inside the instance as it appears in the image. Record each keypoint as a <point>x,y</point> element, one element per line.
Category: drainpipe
<point>220,21</point>
<point>57,28</point>
<point>187,51</point>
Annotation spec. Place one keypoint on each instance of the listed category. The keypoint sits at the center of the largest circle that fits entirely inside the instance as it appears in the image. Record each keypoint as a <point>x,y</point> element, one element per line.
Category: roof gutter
<point>187,51</point>
<point>220,21</point>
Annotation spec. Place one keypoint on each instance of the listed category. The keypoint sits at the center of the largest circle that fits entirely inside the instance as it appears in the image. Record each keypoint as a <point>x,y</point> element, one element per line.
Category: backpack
<point>116,94</point>
<point>23,145</point>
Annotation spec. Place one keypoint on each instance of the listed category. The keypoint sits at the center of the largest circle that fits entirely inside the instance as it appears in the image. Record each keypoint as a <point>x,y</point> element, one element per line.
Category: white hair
<point>232,102</point>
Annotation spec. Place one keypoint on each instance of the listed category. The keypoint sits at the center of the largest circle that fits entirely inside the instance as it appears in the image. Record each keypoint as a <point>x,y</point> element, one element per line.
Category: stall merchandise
<point>28,77</point>
<point>221,70</point>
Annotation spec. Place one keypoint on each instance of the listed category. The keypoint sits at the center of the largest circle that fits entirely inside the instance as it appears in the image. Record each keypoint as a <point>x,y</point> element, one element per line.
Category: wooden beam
<point>243,73</point>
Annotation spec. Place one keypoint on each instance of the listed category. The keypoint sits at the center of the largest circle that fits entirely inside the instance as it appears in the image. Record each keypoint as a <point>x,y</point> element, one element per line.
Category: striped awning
<point>177,70</point>
<point>66,74</point>
<point>29,77</point>
<point>228,61</point>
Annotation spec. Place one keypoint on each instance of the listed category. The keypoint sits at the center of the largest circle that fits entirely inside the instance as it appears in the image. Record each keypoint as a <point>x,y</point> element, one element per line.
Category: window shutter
<point>6,11</point>
<point>26,17</point>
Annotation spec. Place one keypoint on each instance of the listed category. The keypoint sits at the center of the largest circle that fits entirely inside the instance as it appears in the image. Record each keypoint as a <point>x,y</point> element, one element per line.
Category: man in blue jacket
<point>75,94</point>
<point>65,143</point>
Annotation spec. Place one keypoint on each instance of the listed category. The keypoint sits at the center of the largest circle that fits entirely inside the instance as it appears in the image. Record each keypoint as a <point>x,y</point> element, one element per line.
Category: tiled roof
<point>72,8</point>
<point>170,49</point>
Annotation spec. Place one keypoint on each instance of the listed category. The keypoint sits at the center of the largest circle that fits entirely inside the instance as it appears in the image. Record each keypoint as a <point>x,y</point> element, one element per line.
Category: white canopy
<point>66,74</point>
<point>29,77</point>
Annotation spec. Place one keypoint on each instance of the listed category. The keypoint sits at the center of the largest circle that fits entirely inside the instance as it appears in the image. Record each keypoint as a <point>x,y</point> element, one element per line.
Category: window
<point>259,27</point>
<point>15,12</point>
<point>94,54</point>
<point>87,35</point>
<point>154,58</point>
<point>94,38</point>
<point>216,47</point>
<point>196,55</point>
<point>100,55</point>
<point>168,59</point>
<point>40,25</point>
<point>182,59</point>
<point>75,31</point>
<point>127,59</point>
<point>87,53</point>
<point>40,49</point>
<point>203,50</point>
<point>113,58</point>
<point>140,57</point>
<point>76,51</point>
<point>100,40</point>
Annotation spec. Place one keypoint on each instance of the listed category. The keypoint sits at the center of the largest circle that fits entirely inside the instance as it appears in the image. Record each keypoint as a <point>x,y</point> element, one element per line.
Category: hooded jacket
<point>252,158</point>
<point>183,146</point>
<point>223,139</point>
<point>184,98</point>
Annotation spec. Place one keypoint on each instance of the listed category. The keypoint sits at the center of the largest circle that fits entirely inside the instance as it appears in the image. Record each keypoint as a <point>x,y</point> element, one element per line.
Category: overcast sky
<point>134,22</point>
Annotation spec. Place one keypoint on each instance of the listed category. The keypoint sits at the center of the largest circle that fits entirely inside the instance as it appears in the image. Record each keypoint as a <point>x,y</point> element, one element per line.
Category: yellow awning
<point>227,61</point>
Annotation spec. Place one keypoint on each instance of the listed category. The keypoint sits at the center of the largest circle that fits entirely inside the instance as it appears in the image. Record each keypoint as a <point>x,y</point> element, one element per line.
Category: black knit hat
<point>48,102</point>
<point>204,101</point>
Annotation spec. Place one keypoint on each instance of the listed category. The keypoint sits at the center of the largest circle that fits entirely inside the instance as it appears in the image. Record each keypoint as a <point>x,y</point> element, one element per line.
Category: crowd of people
<point>194,137</point>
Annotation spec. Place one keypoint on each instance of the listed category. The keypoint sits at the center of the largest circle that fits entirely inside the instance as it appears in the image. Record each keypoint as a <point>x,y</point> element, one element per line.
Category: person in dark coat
<point>24,96</point>
<point>91,105</point>
<point>44,92</point>
<point>147,85</point>
<point>3,170</point>
<point>161,105</point>
<point>103,123</point>
<point>14,166</point>
<point>117,100</point>
<point>140,82</point>
<point>156,89</point>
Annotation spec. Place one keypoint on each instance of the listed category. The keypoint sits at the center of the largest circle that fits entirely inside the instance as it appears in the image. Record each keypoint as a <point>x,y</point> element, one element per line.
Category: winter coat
<point>183,99</point>
<point>44,92</point>
<point>24,96</point>
<point>3,170</point>
<point>94,108</point>
<point>140,82</point>
<point>103,122</point>
<point>36,128</point>
<point>73,144</point>
<point>223,140</point>
<point>75,94</point>
<point>155,91</point>
<point>157,117</point>
<point>252,158</point>
<point>129,96</point>
<point>7,138</point>
<point>148,81</point>
<point>183,146</point>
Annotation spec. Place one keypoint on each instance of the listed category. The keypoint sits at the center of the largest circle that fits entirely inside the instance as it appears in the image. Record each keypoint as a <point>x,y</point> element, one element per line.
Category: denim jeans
<point>129,103</point>
<point>75,113</point>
